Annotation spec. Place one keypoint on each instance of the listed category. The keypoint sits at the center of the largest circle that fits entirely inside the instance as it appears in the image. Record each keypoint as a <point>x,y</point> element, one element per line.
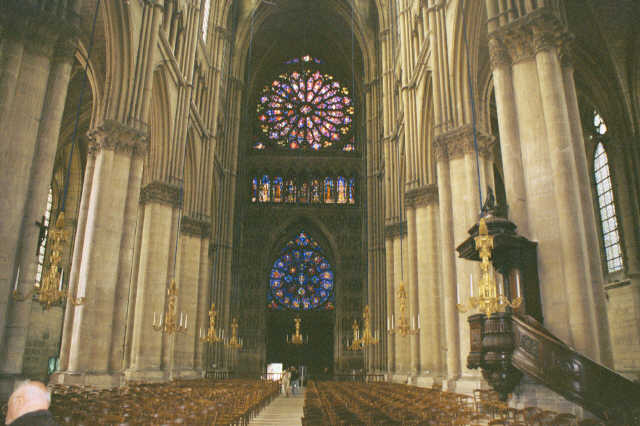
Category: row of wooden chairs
<point>338,403</point>
<point>225,402</point>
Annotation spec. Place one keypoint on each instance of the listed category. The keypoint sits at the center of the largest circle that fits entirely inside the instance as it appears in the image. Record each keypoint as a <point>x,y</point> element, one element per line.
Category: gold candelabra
<point>234,342</point>
<point>169,324</point>
<point>297,338</point>
<point>404,328</point>
<point>355,344</point>
<point>488,301</point>
<point>50,290</point>
<point>367,337</point>
<point>211,335</point>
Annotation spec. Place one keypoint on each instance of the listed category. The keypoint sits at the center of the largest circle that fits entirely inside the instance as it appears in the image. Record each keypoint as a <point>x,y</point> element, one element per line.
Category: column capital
<point>115,136</point>
<point>498,53</point>
<point>162,193</point>
<point>422,196</point>
<point>395,229</point>
<point>458,142</point>
<point>195,227</point>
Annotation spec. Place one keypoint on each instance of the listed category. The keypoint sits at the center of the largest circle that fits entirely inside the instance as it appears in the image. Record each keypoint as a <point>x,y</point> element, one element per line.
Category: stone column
<point>570,225</point>
<point>102,279</point>
<point>157,237</point>
<point>509,135</point>
<point>412,291</point>
<point>42,169</point>
<point>426,201</point>
<point>447,259</point>
<point>391,353</point>
<point>592,246</point>
<point>18,141</point>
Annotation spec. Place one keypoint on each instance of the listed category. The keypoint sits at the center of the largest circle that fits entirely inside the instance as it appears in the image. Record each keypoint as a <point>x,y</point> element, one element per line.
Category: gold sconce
<point>211,335</point>
<point>234,342</point>
<point>491,298</point>
<point>404,328</point>
<point>169,324</point>
<point>50,290</point>
<point>297,338</point>
<point>367,338</point>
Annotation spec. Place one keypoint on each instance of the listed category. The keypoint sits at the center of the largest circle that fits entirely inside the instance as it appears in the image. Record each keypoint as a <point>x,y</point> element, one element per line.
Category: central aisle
<point>283,411</point>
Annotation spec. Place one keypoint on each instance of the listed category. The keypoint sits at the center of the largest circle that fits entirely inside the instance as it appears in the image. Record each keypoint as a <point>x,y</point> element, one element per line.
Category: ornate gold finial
<point>487,301</point>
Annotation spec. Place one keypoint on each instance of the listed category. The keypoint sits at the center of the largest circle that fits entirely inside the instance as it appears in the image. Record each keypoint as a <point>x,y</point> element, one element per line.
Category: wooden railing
<point>505,346</point>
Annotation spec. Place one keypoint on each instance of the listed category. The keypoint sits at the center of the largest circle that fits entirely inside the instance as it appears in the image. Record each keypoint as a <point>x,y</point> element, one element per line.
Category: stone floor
<point>283,411</point>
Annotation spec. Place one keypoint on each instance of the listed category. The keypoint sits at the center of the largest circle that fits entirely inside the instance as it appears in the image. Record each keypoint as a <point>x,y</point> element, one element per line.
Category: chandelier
<point>234,342</point>
<point>404,328</point>
<point>297,338</point>
<point>368,338</point>
<point>168,322</point>
<point>211,336</point>
<point>50,290</point>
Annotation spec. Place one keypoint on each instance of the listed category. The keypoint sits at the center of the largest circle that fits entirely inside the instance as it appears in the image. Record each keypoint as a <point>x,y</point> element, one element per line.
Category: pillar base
<point>150,375</point>
<point>98,380</point>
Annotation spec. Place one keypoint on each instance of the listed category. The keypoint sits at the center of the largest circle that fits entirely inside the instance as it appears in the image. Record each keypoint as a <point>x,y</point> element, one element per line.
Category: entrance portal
<point>316,354</point>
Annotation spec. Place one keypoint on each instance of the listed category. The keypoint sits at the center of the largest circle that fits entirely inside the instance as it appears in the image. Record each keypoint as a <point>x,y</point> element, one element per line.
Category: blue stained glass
<point>308,280</point>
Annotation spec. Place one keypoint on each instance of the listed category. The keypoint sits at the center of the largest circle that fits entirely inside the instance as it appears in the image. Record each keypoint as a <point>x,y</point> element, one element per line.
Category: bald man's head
<point>27,397</point>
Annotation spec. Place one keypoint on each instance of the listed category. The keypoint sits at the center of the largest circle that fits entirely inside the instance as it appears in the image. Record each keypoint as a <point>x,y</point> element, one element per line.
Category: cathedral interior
<point>218,178</point>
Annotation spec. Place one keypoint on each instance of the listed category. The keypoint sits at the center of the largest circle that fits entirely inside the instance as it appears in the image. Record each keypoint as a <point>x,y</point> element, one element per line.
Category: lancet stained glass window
<point>306,109</point>
<point>606,204</point>
<point>301,278</point>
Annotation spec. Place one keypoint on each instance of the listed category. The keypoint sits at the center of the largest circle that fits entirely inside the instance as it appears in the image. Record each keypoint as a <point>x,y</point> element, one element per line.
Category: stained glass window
<point>290,191</point>
<point>305,109</point>
<point>341,190</point>
<point>329,190</point>
<point>205,18</point>
<point>263,194</point>
<point>42,238</point>
<point>301,278</point>
<point>604,189</point>
<point>304,190</point>
<point>316,191</point>
<point>254,190</point>
<point>277,190</point>
<point>352,191</point>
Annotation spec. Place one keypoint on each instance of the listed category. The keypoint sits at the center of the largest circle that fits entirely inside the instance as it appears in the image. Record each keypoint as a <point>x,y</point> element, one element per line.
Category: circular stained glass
<point>305,109</point>
<point>301,278</point>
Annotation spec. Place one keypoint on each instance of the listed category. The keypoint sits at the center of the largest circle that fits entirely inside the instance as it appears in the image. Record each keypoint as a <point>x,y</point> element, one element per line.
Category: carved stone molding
<point>160,192</point>
<point>395,229</point>
<point>118,137</point>
<point>498,53</point>
<point>195,227</point>
<point>458,142</point>
<point>423,196</point>
<point>540,30</point>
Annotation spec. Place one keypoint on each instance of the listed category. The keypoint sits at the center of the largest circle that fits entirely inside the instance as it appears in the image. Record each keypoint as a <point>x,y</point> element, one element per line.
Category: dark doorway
<point>316,355</point>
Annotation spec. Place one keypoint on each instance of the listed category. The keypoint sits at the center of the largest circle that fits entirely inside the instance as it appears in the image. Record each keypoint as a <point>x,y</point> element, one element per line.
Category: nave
<point>259,402</point>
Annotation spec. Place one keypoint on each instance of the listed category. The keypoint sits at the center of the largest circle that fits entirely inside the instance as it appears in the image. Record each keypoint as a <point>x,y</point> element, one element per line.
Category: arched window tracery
<point>606,202</point>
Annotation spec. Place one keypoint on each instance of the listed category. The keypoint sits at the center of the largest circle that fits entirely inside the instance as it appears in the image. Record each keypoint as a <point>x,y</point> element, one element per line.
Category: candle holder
<point>404,328</point>
<point>50,291</point>
<point>169,321</point>
<point>355,343</point>
<point>367,338</point>
<point>297,338</point>
<point>488,301</point>
<point>234,342</point>
<point>211,336</point>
